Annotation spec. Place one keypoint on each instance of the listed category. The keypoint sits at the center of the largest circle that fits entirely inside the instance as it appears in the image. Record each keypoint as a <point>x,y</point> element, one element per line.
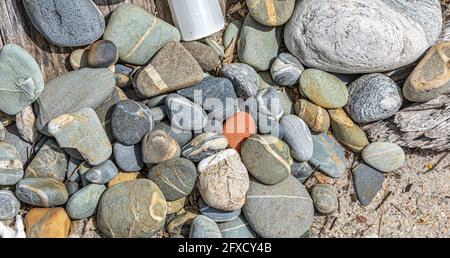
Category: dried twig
<point>384,200</point>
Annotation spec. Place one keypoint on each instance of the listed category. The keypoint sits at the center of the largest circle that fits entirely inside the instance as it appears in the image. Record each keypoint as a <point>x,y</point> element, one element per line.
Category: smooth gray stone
<point>237,228</point>
<point>232,31</point>
<point>128,158</point>
<point>72,91</point>
<point>373,97</point>
<point>206,56</point>
<point>175,177</point>
<point>244,78</point>
<point>204,227</point>
<point>182,137</point>
<point>269,125</point>
<point>72,187</point>
<point>325,199</point>
<point>384,156</point>
<point>24,148</point>
<point>105,110</point>
<point>130,121</point>
<point>72,166</point>
<point>284,210</point>
<point>11,168</point>
<point>158,147</point>
<point>158,113</point>
<point>203,146</point>
<point>50,162</point>
<point>2,132</point>
<point>368,182</point>
<point>156,101</point>
<point>83,204</point>
<point>286,101</point>
<point>286,70</point>
<point>21,79</point>
<point>328,155</point>
<point>66,23</point>
<point>9,205</point>
<point>216,47</point>
<point>301,170</point>
<point>269,103</point>
<point>298,136</point>
<point>102,174</point>
<point>25,123</point>
<point>42,192</point>
<point>216,214</point>
<point>395,33</point>
<point>185,114</point>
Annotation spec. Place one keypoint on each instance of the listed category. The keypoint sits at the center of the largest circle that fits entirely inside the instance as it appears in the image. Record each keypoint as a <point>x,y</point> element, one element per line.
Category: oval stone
<point>244,78</point>
<point>83,204</point>
<point>238,128</point>
<point>325,199</point>
<point>203,146</point>
<point>102,54</point>
<point>269,103</point>
<point>79,58</point>
<point>9,205</point>
<point>128,158</point>
<point>271,12</point>
<point>282,210</point>
<point>204,227</point>
<point>346,131</point>
<point>328,155</point>
<point>368,182</point>
<point>216,214</point>
<point>47,223</point>
<point>182,137</point>
<point>324,89</point>
<point>237,228</point>
<point>102,174</point>
<point>185,114</point>
<point>206,56</point>
<point>11,168</point>
<point>373,97</point>
<point>42,192</point>
<point>302,171</point>
<point>286,70</point>
<point>317,118</point>
<point>133,209</point>
<point>175,177</point>
<point>384,156</point>
<point>298,136</point>
<point>158,146</point>
<point>267,158</point>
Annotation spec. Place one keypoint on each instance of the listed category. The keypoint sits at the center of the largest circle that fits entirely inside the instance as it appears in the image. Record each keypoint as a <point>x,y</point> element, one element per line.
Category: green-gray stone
<point>271,12</point>
<point>237,228</point>
<point>231,32</point>
<point>204,227</point>
<point>11,167</point>
<point>21,79</point>
<point>83,204</point>
<point>137,34</point>
<point>325,199</point>
<point>42,192</point>
<point>384,156</point>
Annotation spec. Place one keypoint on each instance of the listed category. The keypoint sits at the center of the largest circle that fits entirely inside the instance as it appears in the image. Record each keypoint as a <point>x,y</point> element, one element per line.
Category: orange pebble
<point>238,128</point>
<point>47,223</point>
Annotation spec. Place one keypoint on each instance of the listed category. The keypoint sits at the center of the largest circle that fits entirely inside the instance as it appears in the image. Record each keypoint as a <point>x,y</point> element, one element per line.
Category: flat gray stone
<point>42,192</point>
<point>384,156</point>
<point>204,227</point>
<point>9,205</point>
<point>182,137</point>
<point>83,204</point>
<point>328,155</point>
<point>367,182</point>
<point>203,146</point>
<point>185,114</point>
<point>286,70</point>
<point>102,174</point>
<point>128,158</point>
<point>298,136</point>
<point>11,168</point>
<point>237,228</point>
<point>269,103</point>
<point>50,162</point>
<point>244,78</point>
<point>216,214</point>
<point>301,170</point>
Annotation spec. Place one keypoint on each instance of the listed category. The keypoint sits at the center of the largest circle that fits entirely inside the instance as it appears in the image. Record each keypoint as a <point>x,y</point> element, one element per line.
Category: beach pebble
<point>384,156</point>
<point>223,180</point>
<point>180,224</point>
<point>42,192</point>
<point>133,209</point>
<point>301,170</point>
<point>284,210</point>
<point>176,206</point>
<point>244,78</point>
<point>216,46</point>
<point>206,56</point>
<point>286,70</point>
<point>47,223</point>
<point>24,148</point>
<point>328,155</point>
<point>316,117</point>
<point>124,177</point>
<point>216,214</point>
<point>68,24</point>
<point>182,137</point>
<point>368,182</point>
<point>83,132</point>
<point>269,103</point>
<point>324,89</point>
<point>21,79</point>
<point>11,167</point>
<point>373,97</point>
<point>9,205</point>
<point>238,128</point>
<point>298,136</point>
<point>102,174</point>
<point>26,125</point>
<point>203,146</point>
<point>270,125</point>
<point>105,110</point>
<point>79,58</point>
<point>185,114</point>
<point>122,74</point>
<point>156,101</point>
<point>128,158</point>
<point>232,31</point>
<point>346,131</point>
<point>158,113</point>
<point>324,198</point>
<point>83,204</point>
<point>237,228</point>
<point>2,132</point>
<point>137,34</point>
<point>158,146</point>
<point>258,44</point>
<point>102,54</point>
<point>175,177</point>
<point>130,121</point>
<point>50,162</point>
<point>172,68</point>
<point>71,187</point>
<point>271,12</point>
<point>204,227</point>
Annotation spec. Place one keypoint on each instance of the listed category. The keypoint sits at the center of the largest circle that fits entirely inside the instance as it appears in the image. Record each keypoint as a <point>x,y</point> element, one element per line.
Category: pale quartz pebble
<point>18,232</point>
<point>26,124</point>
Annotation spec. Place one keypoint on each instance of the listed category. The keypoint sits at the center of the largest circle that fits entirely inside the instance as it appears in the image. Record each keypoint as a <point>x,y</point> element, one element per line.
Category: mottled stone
<point>71,187</point>
<point>373,97</point>
<point>346,131</point>
<point>203,146</point>
<point>324,89</point>
<point>11,167</point>
<point>238,128</point>
<point>79,58</point>
<point>21,79</point>
<point>384,156</point>
<point>302,171</point>
<point>105,110</point>
<point>206,57</point>
<point>298,136</point>
<point>324,198</point>
<point>82,131</point>
<point>137,34</point>
<point>317,118</point>
<point>158,146</point>
<point>9,205</point>
<point>431,77</point>
<point>216,214</point>
<point>231,32</point>
<point>102,174</point>
<point>158,113</point>
<point>181,223</point>
<point>269,103</point>
<point>122,74</point>
<point>185,114</point>
<point>79,89</point>
<point>24,148</point>
<point>128,158</point>
<point>133,209</point>
<point>102,54</point>
<point>42,192</point>
<point>204,227</point>
<point>176,206</point>
<point>173,68</point>
<point>267,158</point>
<point>271,12</point>
<point>244,78</point>
<point>286,101</point>
<point>130,121</point>
<point>182,137</point>
<point>124,177</point>
<point>328,155</point>
<point>50,162</point>
<point>223,180</point>
<point>175,177</point>
<point>83,204</point>
<point>237,228</point>
<point>281,210</point>
<point>394,33</point>
<point>367,182</point>
<point>258,44</point>
<point>26,125</point>
<point>270,125</point>
<point>286,70</point>
<point>47,223</point>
